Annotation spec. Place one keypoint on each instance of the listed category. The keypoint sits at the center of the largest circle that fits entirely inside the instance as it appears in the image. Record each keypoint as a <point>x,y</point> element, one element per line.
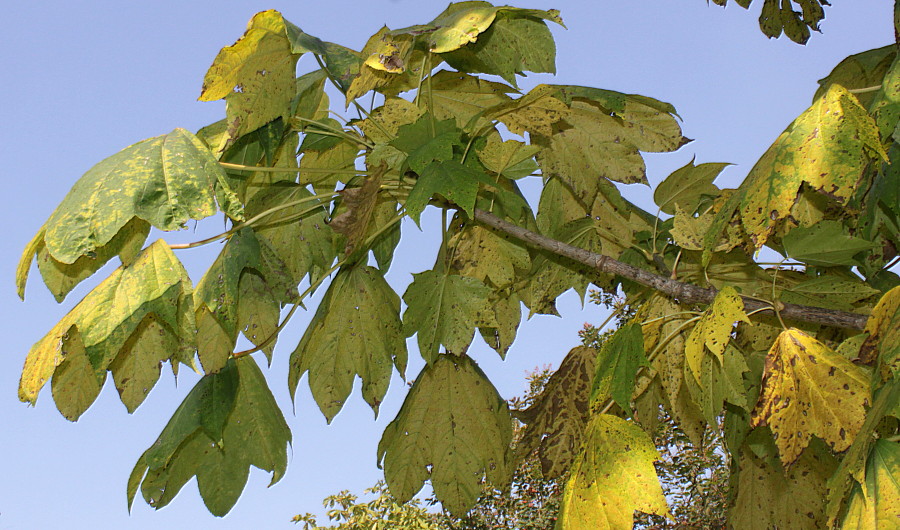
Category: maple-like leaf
<point>535,112</point>
<point>228,422</point>
<point>555,421</point>
<point>454,429</point>
<point>164,181</point>
<point>511,159</point>
<point>883,343</point>
<point>96,330</point>
<point>721,380</point>
<point>618,362</point>
<point>385,68</point>
<point>771,497</point>
<point>827,149</point>
<point>809,390</point>
<point>255,75</point>
<point>383,123</point>
<point>461,97</point>
<point>688,186</point>
<point>612,477</point>
<point>356,331</point>
<point>485,254</point>
<point>456,182</point>
<point>445,308</point>
<point>876,503</point>
<point>713,332</point>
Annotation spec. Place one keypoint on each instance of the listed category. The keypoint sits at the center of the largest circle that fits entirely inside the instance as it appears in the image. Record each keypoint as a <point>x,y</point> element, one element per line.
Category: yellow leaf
<point>883,344</point>
<point>613,477</point>
<point>826,148</point>
<point>76,384</point>
<point>809,390</point>
<point>255,75</point>
<point>387,57</point>
<point>460,27</point>
<point>714,329</point>
<point>877,504</point>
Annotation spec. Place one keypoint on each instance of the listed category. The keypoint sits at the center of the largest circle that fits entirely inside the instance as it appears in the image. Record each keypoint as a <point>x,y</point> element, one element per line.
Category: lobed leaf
<point>808,390</point>
<point>713,332</point>
<point>356,331</point>
<point>81,347</point>
<point>454,429</point>
<point>618,362</point>
<point>613,477</point>
<point>555,422</point>
<point>882,347</point>
<point>877,503</point>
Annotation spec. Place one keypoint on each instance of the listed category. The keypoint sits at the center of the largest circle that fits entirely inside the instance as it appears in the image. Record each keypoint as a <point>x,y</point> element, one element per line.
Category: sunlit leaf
<point>826,244</point>
<point>165,181</point>
<point>877,504</point>
<point>136,368</point>
<point>713,332</point>
<point>101,324</point>
<point>511,159</point>
<point>883,344</point>
<point>808,390</point>
<point>454,429</point>
<point>687,186</point>
<point>356,331</point>
<point>613,477</point>
<point>483,253</point>
<point>383,122</point>
<point>386,58</point>
<point>255,75</point>
<point>461,97</point>
<point>535,112</point>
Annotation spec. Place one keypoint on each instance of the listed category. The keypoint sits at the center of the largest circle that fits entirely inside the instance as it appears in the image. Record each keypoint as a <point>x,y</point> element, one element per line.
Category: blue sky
<point>83,81</point>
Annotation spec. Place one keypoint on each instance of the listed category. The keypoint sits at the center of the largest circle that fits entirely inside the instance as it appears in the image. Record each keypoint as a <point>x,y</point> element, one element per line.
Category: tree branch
<point>683,292</point>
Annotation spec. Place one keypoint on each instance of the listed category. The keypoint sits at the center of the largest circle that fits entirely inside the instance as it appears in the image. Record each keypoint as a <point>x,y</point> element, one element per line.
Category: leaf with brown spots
<point>555,421</point>
<point>613,477</point>
<point>883,344</point>
<point>357,207</point>
<point>876,503</point>
<point>713,332</point>
<point>809,390</point>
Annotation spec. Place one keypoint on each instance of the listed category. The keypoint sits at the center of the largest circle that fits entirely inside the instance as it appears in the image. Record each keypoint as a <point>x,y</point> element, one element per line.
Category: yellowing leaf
<point>356,331</point>
<point>535,112</point>
<point>255,75</point>
<point>136,368</point>
<point>687,186</point>
<point>453,428</point>
<point>556,419</point>
<point>383,122</point>
<point>459,26</point>
<point>511,159</point>
<point>387,57</point>
<point>100,325</point>
<point>877,504</point>
<point>324,169</point>
<point>808,390</point>
<point>827,148</point>
<point>883,344</point>
<point>358,205</point>
<point>770,497</point>
<point>165,181</point>
<point>482,253</point>
<point>613,477</point>
<point>75,383</point>
<point>720,381</point>
<point>714,329</point>
<point>461,97</point>
<point>445,309</point>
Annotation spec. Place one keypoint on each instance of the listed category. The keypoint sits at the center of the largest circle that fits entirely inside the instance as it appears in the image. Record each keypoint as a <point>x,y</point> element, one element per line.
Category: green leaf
<point>508,312</point>
<point>601,143</point>
<point>618,363</point>
<point>720,381</point>
<point>769,496</point>
<point>165,181</point>
<point>356,331</point>
<point>556,419</point>
<point>453,428</point>
<point>861,70</point>
<point>60,278</point>
<point>461,97</point>
<point>511,45</point>
<point>342,63</point>
<point>824,244</point>
<point>216,299</point>
<point>456,182</point>
<point>100,325</point>
<point>829,291</point>
<point>255,76</point>
<point>296,238</point>
<point>227,423</point>
<point>613,477</point>
<point>257,311</point>
<point>511,159</point>
<point>136,368</point>
<point>340,159</point>
<point>427,140</point>
<point>445,309</point>
<point>877,504</point>
<point>688,186</point>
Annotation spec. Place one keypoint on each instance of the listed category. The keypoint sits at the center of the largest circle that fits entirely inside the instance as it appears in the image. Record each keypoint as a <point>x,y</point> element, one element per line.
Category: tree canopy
<point>798,359</point>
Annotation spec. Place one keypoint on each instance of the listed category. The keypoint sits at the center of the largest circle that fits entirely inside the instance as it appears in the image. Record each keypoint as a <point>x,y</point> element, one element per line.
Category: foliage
<point>804,379</point>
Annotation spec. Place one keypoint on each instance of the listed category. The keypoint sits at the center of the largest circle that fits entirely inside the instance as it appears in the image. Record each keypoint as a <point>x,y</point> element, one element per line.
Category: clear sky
<point>83,80</point>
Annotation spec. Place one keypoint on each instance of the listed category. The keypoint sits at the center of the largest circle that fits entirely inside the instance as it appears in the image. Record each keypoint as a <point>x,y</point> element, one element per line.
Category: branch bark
<point>683,292</point>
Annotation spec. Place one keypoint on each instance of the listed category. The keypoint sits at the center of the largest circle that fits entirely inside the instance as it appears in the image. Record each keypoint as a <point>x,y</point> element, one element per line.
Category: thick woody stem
<point>682,292</point>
